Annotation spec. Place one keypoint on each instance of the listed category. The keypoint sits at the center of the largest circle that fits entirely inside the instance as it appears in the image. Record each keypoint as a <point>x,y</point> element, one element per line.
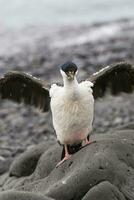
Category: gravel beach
<point>39,51</point>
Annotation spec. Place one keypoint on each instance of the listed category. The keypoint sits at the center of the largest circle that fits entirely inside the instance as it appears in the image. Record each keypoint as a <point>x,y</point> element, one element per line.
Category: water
<point>21,13</point>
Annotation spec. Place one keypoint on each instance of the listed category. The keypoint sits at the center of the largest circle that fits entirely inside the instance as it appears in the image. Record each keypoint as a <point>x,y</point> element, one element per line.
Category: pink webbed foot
<point>63,160</point>
<point>87,142</point>
<point>67,156</point>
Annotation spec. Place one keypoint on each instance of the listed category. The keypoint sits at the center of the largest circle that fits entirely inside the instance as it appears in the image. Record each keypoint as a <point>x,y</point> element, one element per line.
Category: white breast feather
<point>87,85</point>
<point>54,90</point>
<point>72,117</point>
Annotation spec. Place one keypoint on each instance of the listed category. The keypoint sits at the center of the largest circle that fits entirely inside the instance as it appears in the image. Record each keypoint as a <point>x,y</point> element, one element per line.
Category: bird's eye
<point>70,69</point>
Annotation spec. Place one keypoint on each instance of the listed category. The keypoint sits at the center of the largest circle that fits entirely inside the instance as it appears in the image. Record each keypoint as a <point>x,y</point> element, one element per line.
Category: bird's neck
<point>70,84</point>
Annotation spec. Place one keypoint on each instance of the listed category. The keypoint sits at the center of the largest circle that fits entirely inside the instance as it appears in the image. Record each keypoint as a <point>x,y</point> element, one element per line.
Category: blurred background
<point>37,36</point>
<point>20,13</point>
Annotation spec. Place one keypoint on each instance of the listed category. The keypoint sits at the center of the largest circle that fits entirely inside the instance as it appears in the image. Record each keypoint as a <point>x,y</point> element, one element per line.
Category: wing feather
<point>21,87</point>
<point>117,78</point>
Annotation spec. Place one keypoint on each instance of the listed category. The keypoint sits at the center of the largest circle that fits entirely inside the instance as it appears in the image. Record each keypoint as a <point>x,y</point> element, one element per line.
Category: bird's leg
<point>67,156</point>
<point>87,141</point>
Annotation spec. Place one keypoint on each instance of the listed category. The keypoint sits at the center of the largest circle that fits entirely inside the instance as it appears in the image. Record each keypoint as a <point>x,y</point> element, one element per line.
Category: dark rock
<point>101,170</point>
<point>104,190</point>
<point>3,178</point>
<point>26,163</point>
<point>5,164</point>
<point>126,126</point>
<point>22,196</point>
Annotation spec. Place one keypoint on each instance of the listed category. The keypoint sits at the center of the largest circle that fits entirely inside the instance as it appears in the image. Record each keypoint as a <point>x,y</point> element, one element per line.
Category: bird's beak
<point>70,74</point>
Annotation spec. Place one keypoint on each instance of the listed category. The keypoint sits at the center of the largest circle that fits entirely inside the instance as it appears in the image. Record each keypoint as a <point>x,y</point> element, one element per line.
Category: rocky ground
<point>40,50</point>
<point>101,170</point>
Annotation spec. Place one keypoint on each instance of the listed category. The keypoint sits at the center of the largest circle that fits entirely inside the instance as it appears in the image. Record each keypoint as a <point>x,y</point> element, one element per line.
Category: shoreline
<point>40,53</point>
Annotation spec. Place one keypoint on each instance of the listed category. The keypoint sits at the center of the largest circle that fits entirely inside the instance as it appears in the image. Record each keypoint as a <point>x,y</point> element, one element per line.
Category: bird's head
<point>69,70</point>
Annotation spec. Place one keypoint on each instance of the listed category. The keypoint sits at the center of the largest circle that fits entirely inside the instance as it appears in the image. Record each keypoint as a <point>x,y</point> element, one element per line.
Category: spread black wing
<point>22,87</point>
<point>117,78</point>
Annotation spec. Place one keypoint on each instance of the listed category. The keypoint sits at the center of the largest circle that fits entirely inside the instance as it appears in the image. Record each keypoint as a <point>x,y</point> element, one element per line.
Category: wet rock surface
<point>23,196</point>
<point>39,51</point>
<point>101,170</point>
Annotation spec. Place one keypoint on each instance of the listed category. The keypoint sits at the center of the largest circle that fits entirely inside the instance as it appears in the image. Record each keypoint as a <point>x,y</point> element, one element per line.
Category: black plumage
<point>21,87</point>
<point>69,66</point>
<point>114,79</point>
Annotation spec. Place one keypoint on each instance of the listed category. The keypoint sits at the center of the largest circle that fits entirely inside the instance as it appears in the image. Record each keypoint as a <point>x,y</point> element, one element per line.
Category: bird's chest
<point>69,111</point>
<point>64,106</point>
<point>72,117</point>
